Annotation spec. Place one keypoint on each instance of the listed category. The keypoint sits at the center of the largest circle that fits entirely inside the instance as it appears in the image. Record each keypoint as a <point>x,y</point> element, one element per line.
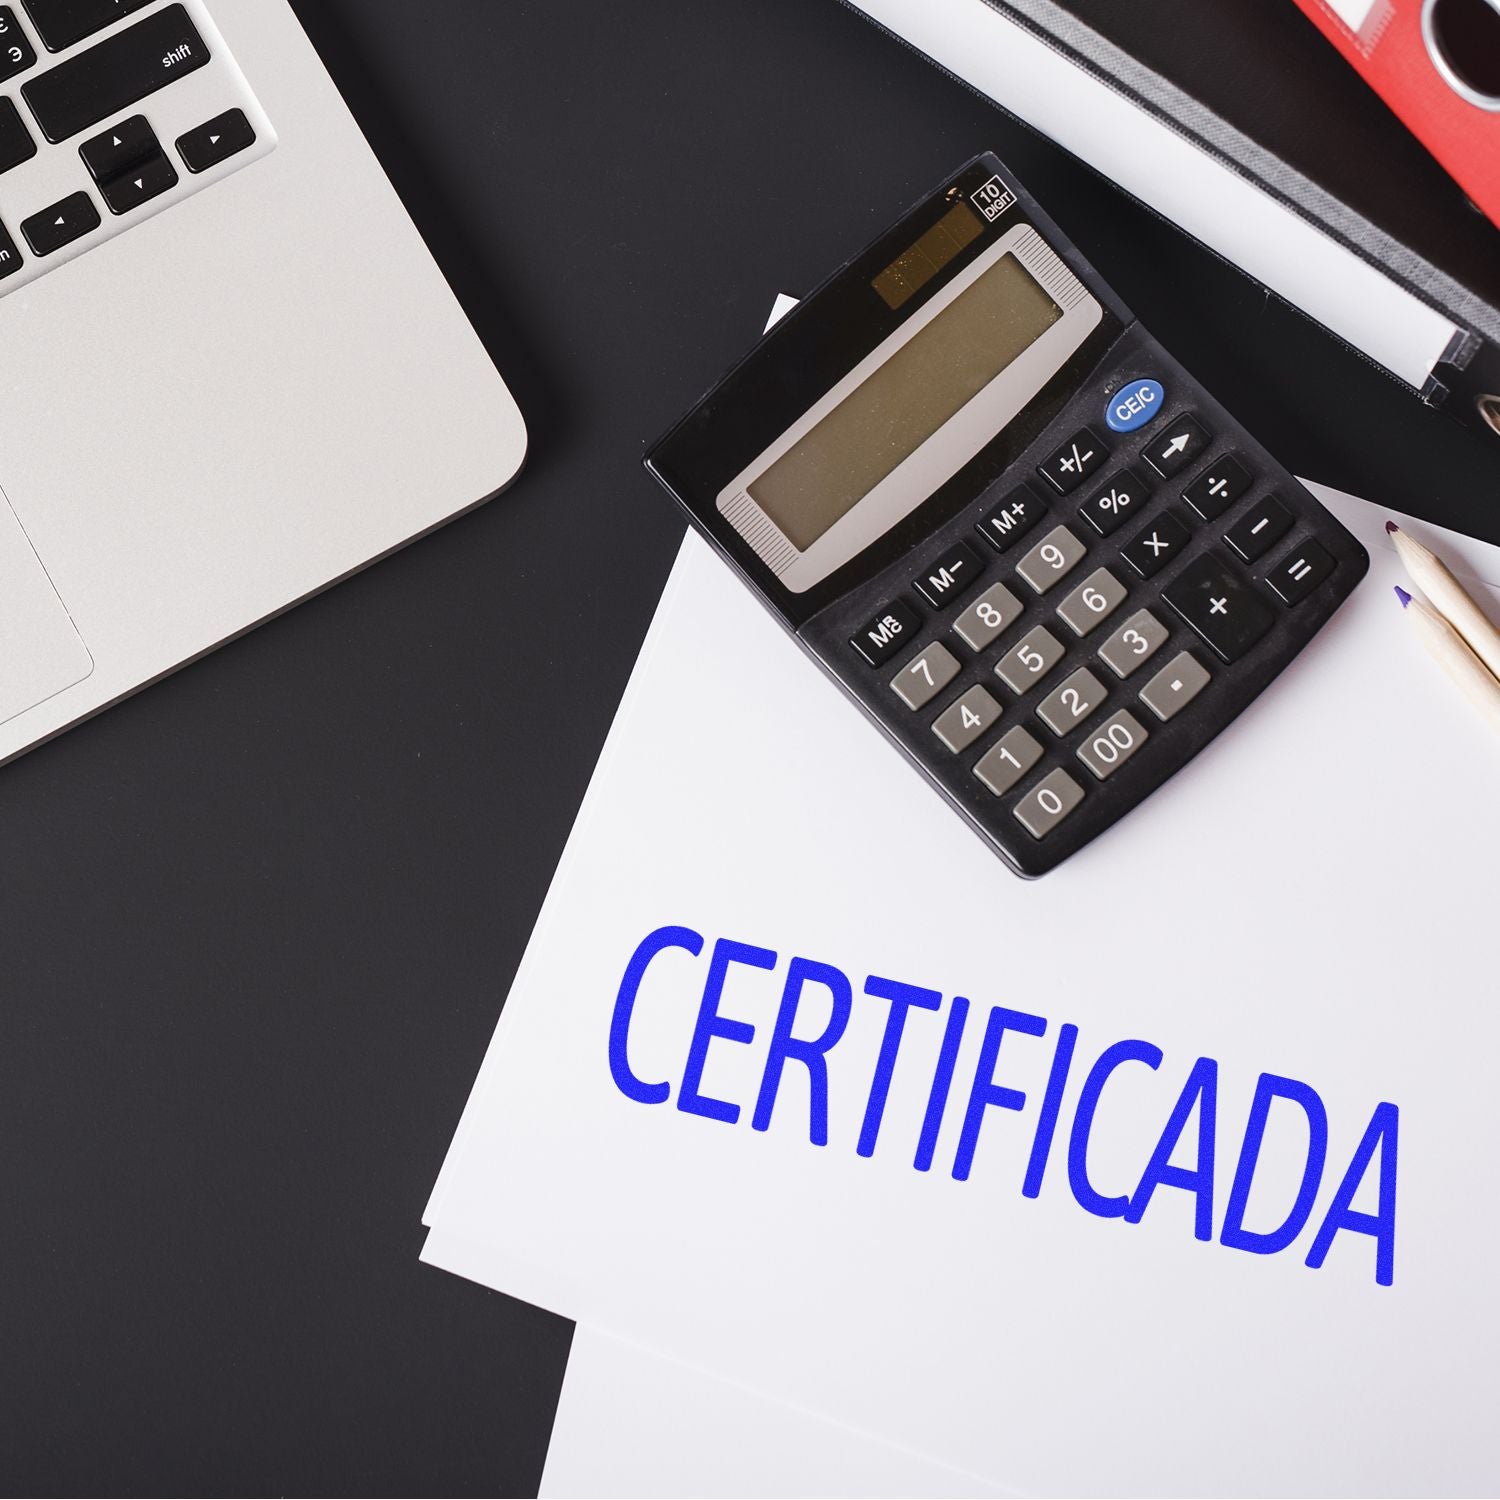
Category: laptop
<point>230,372</point>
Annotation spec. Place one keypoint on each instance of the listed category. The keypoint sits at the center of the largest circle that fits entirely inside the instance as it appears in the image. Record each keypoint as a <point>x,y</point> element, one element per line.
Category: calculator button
<point>1133,405</point>
<point>1175,686</point>
<point>1066,708</point>
<point>1112,744</point>
<point>1219,607</point>
<point>949,576</point>
<point>1264,524</point>
<point>1007,761</point>
<point>1300,572</point>
<point>959,726</point>
<point>1048,803</point>
<point>886,634</point>
<point>989,616</point>
<point>1009,521</point>
<point>1114,505</point>
<point>1214,491</point>
<point>1052,559</point>
<point>1029,660</point>
<point>1135,642</point>
<point>1157,545</point>
<point>1092,602</point>
<point>1074,461</point>
<point>925,675</point>
<point>1175,446</point>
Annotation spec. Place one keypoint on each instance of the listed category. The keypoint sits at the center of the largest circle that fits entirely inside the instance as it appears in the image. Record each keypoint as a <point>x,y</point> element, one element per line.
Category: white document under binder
<point>1167,1173</point>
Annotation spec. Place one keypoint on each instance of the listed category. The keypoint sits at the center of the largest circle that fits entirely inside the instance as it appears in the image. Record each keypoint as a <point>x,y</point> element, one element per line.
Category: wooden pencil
<point>1449,597</point>
<point>1452,653</point>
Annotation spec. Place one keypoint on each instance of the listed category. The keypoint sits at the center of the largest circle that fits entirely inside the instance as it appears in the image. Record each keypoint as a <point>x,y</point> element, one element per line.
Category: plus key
<point>1222,609</point>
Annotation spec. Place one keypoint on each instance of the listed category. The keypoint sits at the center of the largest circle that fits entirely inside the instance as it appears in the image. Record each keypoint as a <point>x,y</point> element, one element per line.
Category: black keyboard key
<point>1220,607</point>
<point>116,73</point>
<point>1074,461</point>
<point>119,148</point>
<point>16,53</point>
<point>1123,497</point>
<point>139,184</point>
<point>16,144</point>
<point>881,638</point>
<point>60,23</point>
<point>1217,488</point>
<point>61,224</point>
<point>1157,545</point>
<point>1259,529</point>
<point>10,257</point>
<point>214,142</point>
<point>1009,521</point>
<point>949,576</point>
<point>1300,572</point>
<point>1175,446</point>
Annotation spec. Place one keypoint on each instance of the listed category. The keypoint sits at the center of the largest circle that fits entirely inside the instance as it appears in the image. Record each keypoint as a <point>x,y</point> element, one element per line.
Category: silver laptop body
<point>246,382</point>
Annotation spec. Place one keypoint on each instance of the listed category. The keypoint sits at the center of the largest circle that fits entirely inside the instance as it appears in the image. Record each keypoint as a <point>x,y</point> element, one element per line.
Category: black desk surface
<point>258,921</point>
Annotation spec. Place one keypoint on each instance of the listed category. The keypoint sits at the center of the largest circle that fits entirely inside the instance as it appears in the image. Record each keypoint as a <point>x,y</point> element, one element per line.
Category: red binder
<point>1437,64</point>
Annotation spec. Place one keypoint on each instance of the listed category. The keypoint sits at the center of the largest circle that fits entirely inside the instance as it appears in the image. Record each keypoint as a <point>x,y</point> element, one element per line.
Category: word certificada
<point>1198,1099</point>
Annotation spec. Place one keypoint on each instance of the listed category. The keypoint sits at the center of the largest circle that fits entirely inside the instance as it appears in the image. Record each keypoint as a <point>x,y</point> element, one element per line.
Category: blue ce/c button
<point>1134,405</point>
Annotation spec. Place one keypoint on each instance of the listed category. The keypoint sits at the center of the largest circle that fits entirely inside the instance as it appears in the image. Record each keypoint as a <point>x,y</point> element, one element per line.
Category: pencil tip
<point>1403,596</point>
<point>1391,526</point>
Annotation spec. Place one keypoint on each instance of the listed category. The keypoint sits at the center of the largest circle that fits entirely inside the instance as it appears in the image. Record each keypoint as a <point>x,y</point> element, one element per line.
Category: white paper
<point>1308,898</point>
<point>633,1423</point>
<point>1176,177</point>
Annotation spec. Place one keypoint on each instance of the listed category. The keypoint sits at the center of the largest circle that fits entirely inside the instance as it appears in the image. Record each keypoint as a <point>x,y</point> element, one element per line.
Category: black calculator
<point>1035,551</point>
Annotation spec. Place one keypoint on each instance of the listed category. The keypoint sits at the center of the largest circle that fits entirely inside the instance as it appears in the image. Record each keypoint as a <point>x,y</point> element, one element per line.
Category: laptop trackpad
<point>40,651</point>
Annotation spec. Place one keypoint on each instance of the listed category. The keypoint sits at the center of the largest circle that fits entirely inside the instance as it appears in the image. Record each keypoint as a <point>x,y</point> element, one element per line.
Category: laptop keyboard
<point>110,110</point>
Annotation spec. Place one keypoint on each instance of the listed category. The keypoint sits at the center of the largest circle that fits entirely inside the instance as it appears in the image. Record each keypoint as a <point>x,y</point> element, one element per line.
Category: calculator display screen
<point>904,401</point>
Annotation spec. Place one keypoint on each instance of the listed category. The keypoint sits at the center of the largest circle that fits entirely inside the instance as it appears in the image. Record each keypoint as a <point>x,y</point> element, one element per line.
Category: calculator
<point>1036,552</point>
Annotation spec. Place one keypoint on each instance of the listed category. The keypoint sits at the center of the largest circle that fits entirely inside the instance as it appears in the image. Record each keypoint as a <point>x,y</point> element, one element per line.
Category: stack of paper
<point>1164,1173</point>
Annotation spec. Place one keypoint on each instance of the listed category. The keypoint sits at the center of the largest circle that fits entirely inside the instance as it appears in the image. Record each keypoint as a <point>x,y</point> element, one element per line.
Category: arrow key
<point>139,184</point>
<point>108,154</point>
<point>61,224</point>
<point>222,137</point>
<point>1175,446</point>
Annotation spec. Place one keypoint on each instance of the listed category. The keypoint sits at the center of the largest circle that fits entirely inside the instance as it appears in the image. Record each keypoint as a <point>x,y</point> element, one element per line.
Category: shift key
<point>115,74</point>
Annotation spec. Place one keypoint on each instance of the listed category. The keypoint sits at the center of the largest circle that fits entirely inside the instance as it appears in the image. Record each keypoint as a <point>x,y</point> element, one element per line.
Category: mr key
<point>1040,556</point>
